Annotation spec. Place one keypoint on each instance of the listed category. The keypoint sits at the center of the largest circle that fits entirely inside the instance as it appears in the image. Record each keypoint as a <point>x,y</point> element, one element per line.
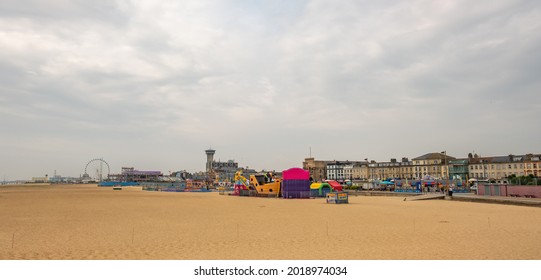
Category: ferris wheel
<point>97,169</point>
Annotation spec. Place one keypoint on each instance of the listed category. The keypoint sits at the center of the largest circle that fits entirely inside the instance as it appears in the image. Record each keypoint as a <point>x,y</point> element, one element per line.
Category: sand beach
<point>65,222</point>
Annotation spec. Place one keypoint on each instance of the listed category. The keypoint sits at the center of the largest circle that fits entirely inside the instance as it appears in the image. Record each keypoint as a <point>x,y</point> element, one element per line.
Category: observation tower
<point>210,159</point>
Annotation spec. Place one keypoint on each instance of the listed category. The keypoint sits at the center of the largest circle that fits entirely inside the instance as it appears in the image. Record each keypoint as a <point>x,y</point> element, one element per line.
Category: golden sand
<point>89,222</point>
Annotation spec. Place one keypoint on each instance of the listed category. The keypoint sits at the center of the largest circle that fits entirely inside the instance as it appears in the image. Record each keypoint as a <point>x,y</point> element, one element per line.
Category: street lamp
<point>444,162</point>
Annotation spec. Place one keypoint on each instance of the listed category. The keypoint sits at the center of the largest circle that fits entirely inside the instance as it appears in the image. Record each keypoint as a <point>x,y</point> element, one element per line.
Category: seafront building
<point>390,169</point>
<point>437,166</point>
<point>218,170</point>
<point>433,166</point>
<point>360,170</point>
<point>317,168</point>
<point>225,170</point>
<point>532,165</point>
<point>497,167</point>
<point>130,174</point>
<point>458,169</point>
<point>44,179</point>
<point>340,170</point>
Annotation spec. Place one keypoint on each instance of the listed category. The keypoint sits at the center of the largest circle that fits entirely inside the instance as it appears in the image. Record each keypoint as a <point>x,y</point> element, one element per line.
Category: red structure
<point>335,185</point>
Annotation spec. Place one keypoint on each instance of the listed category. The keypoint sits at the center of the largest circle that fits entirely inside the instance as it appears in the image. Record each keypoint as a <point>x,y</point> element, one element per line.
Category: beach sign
<point>337,198</point>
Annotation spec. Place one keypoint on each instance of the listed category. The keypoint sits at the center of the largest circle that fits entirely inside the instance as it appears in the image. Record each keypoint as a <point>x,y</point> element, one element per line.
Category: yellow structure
<point>265,185</point>
<point>241,180</point>
<point>320,189</point>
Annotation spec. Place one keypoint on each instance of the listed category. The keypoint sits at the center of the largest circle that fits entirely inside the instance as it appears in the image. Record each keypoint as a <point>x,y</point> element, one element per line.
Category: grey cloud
<point>111,78</point>
<point>63,10</point>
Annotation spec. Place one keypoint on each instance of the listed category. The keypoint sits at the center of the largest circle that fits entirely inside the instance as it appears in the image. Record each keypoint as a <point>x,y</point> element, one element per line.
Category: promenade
<point>467,197</point>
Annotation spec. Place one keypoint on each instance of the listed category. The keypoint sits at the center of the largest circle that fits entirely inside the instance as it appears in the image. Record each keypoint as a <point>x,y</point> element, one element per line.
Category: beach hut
<point>296,183</point>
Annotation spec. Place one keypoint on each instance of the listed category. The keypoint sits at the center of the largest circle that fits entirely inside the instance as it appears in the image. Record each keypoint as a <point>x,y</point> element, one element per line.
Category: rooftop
<point>434,156</point>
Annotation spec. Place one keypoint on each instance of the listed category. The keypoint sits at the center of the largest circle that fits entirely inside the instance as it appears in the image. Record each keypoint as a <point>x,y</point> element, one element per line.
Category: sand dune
<point>88,222</point>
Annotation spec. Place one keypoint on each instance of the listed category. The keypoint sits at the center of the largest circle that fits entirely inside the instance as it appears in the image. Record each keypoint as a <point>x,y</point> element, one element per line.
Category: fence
<point>508,190</point>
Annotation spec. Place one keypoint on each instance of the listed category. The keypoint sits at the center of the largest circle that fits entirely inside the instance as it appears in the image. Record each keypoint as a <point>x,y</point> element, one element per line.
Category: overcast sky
<point>152,84</point>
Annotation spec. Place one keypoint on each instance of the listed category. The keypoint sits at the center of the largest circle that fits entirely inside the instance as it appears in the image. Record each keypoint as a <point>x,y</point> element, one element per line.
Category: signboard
<point>337,198</point>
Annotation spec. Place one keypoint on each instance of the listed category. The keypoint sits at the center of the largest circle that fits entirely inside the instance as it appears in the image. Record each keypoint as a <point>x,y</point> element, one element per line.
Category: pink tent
<point>296,183</point>
<point>296,173</point>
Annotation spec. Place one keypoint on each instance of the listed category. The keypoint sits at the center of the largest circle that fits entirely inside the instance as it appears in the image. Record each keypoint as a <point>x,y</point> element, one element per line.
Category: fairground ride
<point>97,170</point>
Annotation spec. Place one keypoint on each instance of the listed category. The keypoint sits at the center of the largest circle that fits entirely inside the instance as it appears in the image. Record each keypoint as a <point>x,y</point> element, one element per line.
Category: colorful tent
<point>335,185</point>
<point>296,183</point>
<point>320,189</point>
<point>386,183</point>
<point>296,173</point>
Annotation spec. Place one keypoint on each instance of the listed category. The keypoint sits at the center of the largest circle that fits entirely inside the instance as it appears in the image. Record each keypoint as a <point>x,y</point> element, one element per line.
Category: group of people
<point>268,177</point>
<point>441,189</point>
